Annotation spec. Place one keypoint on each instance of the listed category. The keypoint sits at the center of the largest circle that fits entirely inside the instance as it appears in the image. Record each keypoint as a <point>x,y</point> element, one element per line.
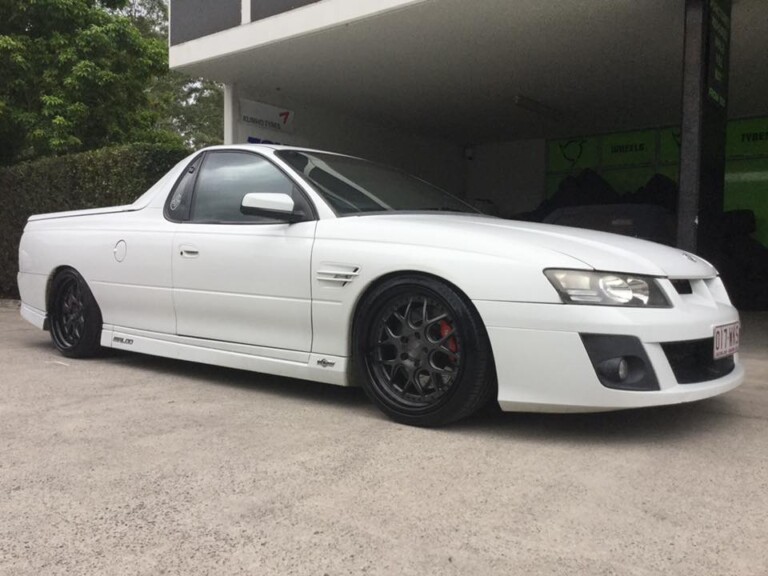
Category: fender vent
<point>337,274</point>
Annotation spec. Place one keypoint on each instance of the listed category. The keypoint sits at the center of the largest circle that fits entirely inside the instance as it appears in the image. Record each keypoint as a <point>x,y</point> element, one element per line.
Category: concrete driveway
<point>136,465</point>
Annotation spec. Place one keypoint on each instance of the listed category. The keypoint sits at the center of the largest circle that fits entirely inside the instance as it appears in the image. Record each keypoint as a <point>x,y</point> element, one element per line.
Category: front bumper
<point>542,364</point>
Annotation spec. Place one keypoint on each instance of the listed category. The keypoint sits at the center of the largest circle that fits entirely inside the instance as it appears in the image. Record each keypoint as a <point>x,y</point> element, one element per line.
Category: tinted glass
<point>181,197</point>
<point>351,185</point>
<point>226,177</point>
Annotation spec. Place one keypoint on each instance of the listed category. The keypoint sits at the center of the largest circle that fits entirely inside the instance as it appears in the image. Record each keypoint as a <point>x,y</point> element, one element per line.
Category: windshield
<point>352,186</point>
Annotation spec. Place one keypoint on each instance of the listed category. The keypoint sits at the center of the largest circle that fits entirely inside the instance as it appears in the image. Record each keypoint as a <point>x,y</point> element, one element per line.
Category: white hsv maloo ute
<point>325,267</point>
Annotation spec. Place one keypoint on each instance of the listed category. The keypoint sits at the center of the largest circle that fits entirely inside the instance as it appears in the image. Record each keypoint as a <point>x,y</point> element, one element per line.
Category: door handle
<point>189,252</point>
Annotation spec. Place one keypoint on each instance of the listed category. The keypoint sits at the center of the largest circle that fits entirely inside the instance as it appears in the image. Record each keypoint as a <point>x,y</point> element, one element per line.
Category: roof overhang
<point>482,71</point>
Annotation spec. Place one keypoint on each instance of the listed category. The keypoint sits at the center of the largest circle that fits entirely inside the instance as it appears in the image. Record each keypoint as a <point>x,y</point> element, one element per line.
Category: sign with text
<point>718,42</point>
<point>266,116</point>
<point>747,138</point>
<point>629,148</point>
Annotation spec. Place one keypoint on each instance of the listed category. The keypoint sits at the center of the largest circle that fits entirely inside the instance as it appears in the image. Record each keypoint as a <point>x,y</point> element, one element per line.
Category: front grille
<point>692,361</point>
<point>682,286</point>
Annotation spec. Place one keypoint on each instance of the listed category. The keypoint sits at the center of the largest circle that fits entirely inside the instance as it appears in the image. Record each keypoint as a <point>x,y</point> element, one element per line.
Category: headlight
<point>607,288</point>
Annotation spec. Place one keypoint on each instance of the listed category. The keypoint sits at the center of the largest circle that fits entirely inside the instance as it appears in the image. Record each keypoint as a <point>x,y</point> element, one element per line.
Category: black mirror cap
<point>289,217</point>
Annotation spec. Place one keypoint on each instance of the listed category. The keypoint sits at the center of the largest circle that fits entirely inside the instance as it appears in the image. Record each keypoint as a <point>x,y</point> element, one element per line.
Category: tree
<point>74,77</point>
<point>192,108</point>
<point>149,16</point>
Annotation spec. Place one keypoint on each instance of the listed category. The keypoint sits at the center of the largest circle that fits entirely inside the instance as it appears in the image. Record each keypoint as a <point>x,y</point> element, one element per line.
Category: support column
<point>705,114</point>
<point>230,113</point>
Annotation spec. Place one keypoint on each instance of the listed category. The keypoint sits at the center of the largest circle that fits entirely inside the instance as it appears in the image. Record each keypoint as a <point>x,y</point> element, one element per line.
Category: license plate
<point>726,340</point>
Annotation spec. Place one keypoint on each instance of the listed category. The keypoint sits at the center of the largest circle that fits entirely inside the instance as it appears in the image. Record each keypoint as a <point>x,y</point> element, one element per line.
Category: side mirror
<point>271,205</point>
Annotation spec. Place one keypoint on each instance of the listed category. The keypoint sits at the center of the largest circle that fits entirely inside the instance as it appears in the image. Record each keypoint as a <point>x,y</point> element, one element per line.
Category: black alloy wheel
<point>75,318</point>
<point>415,355</point>
<point>422,353</point>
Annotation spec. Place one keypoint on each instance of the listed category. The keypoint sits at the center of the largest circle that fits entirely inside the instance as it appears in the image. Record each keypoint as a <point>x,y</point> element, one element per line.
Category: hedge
<point>104,177</point>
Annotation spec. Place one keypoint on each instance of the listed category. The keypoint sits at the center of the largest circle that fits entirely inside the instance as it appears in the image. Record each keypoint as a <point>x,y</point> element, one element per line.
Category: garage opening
<point>569,113</point>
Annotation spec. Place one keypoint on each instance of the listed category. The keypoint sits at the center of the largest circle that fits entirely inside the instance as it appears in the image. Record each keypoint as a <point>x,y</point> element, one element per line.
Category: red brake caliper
<point>446,329</point>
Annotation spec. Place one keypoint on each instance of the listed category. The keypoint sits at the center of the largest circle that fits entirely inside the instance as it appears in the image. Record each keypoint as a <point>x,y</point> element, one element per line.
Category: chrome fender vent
<point>337,274</point>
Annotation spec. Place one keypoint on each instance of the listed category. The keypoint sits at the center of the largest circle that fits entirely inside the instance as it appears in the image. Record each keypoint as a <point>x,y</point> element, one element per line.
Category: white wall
<point>437,161</point>
<point>511,174</point>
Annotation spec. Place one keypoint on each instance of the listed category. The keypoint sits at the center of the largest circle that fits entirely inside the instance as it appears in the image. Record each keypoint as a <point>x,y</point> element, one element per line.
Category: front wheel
<point>421,352</point>
<point>75,318</point>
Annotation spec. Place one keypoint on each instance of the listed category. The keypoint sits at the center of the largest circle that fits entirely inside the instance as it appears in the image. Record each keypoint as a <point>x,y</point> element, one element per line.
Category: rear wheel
<point>75,318</point>
<point>421,352</point>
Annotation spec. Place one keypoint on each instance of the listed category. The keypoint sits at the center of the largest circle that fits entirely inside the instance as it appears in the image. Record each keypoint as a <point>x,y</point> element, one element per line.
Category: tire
<point>75,318</point>
<point>421,352</point>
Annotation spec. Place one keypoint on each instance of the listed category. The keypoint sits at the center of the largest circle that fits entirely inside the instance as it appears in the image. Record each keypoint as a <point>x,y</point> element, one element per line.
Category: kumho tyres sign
<point>627,160</point>
<point>266,116</point>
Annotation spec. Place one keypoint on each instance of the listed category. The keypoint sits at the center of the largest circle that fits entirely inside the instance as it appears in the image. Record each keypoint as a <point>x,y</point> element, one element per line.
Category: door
<point>236,277</point>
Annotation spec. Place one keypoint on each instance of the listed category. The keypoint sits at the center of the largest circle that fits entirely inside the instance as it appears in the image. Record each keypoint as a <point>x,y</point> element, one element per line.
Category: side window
<point>177,208</point>
<point>225,177</point>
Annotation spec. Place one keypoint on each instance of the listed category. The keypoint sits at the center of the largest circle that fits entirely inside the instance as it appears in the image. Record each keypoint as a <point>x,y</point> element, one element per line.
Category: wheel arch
<point>73,316</point>
<point>49,284</point>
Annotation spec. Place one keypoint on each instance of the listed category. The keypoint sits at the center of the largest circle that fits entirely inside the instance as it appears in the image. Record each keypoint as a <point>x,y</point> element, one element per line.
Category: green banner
<point>746,186</point>
<point>629,148</point>
<point>669,146</point>
<point>571,154</point>
<point>628,159</point>
<point>747,138</point>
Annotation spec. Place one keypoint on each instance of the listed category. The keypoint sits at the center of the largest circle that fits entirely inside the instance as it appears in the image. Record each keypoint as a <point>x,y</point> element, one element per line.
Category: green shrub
<point>95,179</point>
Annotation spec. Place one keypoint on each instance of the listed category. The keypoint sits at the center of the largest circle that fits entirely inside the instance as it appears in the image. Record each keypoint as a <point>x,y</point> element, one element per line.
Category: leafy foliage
<point>104,177</point>
<point>149,16</point>
<point>75,76</point>
<point>81,74</point>
<point>193,108</point>
<point>189,107</point>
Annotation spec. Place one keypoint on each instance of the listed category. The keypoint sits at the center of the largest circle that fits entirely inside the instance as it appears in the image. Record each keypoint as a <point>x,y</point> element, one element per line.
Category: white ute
<point>325,267</point>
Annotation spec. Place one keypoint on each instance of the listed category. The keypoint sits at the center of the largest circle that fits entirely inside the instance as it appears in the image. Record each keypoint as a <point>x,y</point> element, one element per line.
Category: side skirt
<point>37,318</point>
<point>288,363</point>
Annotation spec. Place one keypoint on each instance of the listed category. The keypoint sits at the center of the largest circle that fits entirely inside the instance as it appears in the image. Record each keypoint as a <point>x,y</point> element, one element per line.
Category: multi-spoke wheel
<point>75,318</point>
<point>421,352</point>
<point>414,350</point>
